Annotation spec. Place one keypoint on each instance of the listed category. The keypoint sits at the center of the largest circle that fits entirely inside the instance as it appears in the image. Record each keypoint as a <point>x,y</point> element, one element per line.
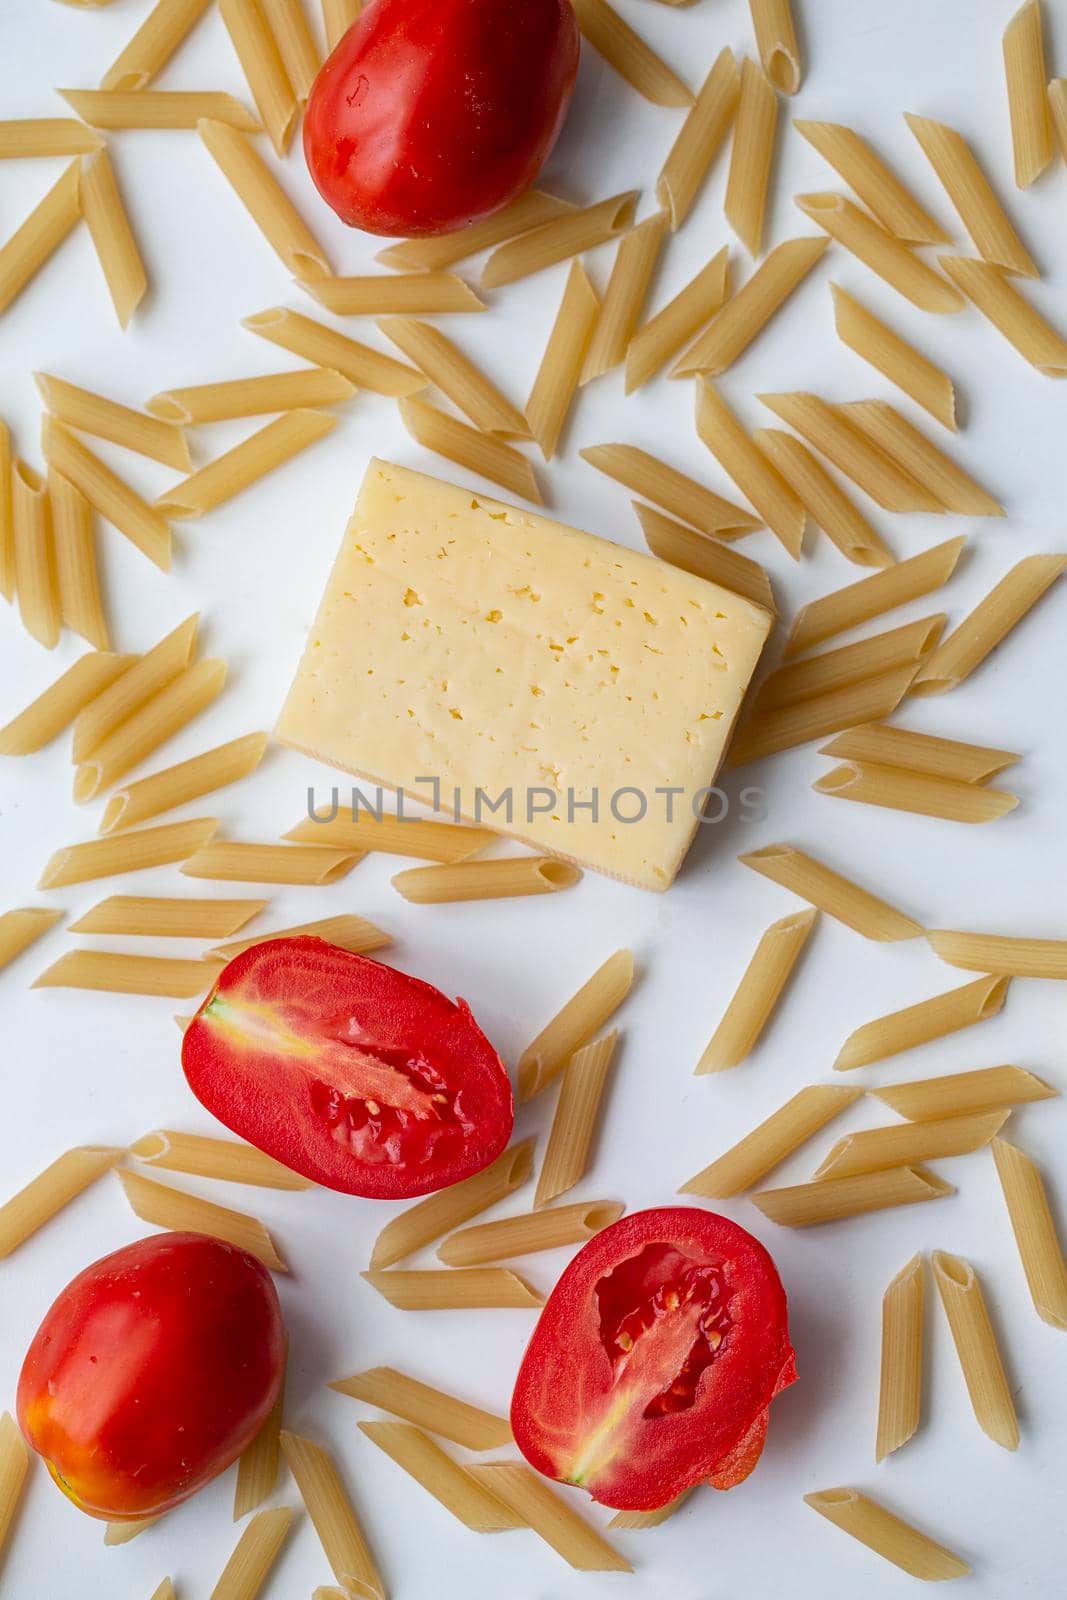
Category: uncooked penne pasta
<point>1026,78</point>
<point>115,972</point>
<point>758,993</point>
<point>829,429</point>
<point>431,254</point>
<point>227,861</point>
<point>964,1094</point>
<point>226,1160</point>
<point>624,298</point>
<point>828,891</point>
<point>155,41</point>
<point>917,455</point>
<point>46,136</point>
<point>508,878</point>
<point>876,343</point>
<point>14,1465</point>
<point>807,1205</point>
<point>705,558</point>
<point>824,500</point>
<point>821,674</point>
<point>919,1024</point>
<point>157,108</point>
<point>1057,104</point>
<point>873,182</point>
<point>257,1468</point>
<point>550,1516</point>
<point>443,363</point>
<point>921,752</point>
<point>463,1289</point>
<point>561,366</point>
<point>909,1143</point>
<point>988,624</point>
<point>671,329</point>
<point>973,196</point>
<point>700,139</point>
<point>24,254</point>
<point>900,1389</point>
<point>166,1589</point>
<point>446,1480</point>
<point>747,313</point>
<point>575,1121</point>
<point>754,473</point>
<point>254,458</point>
<point>885,255</point>
<point>286,20</point>
<point>338,16</point>
<point>50,1192</point>
<point>751,155</point>
<point>36,578</point>
<point>450,1208</point>
<point>872,597</point>
<point>917,792</point>
<point>397,294</point>
<point>395,835</point>
<point>128,691</point>
<point>478,452</point>
<point>584,1014</point>
<point>525,1235</point>
<point>139,916</point>
<point>887,1535</point>
<point>1032,1223</point>
<point>7,546</point>
<point>427,1407</point>
<point>334,1517</point>
<point>630,55</point>
<point>785,727</point>
<point>255,1554</point>
<point>266,202</point>
<point>189,780</point>
<point>162,1206</point>
<point>261,62</point>
<point>112,236</point>
<point>106,492</point>
<point>665,486</point>
<point>47,716</point>
<point>977,1349</point>
<point>994,952</point>
<point>81,607</point>
<point>650,1519</point>
<point>760,1151</point>
<point>558,239</point>
<point>1000,302</point>
<point>128,852</point>
<point>91,413</point>
<point>159,719</point>
<point>776,41</point>
<point>252,397</point>
<point>359,363</point>
<point>347,932</point>
<point>22,928</point>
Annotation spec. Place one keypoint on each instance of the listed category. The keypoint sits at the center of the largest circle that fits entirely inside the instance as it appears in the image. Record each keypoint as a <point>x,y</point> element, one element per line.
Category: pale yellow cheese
<point>487,647</point>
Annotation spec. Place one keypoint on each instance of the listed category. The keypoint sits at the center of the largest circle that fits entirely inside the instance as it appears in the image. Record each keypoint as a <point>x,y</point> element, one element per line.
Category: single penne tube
<point>921,752</point>
<point>758,993</point>
<point>450,1484</point>
<point>876,343</point>
<point>428,1408</point>
<point>554,1519</point>
<point>252,397</point>
<point>624,298</point>
<point>159,719</point>
<point>254,458</point>
<point>91,413</point>
<point>776,41</point>
<point>266,202</point>
<point>7,534</point>
<point>1000,302</point>
<point>561,366</point>
<point>909,1143</point>
<point>226,1160</point>
<point>450,1208</point>
<point>1008,957</point>
<point>113,237</point>
<point>155,41</point>
<point>463,1289</point>
<point>850,663</point>
<point>21,928</point>
<point>333,1515</point>
<point>825,501</point>
<point>408,294</point>
<point>754,473</point>
<point>141,917</point>
<point>157,108</point>
<point>700,138</point>
<point>256,47</point>
<point>873,182</point>
<point>525,1235</point>
<point>751,157</point>
<point>509,878</point>
<point>760,1151</point>
<point>974,198</point>
<point>45,718</point>
<point>885,255</point>
<point>584,1014</point>
<point>807,1205</point>
<point>478,452</point>
<point>115,972</point>
<point>338,16</point>
<point>81,607</point>
<point>705,558</point>
<point>1026,77</point>
<point>443,364</point>
<point>576,1118</point>
<point>14,1465</point>
<point>144,677</point>
<point>162,1206</point>
<point>559,239</point>
<point>24,254</point>
<point>227,861</point>
<point>917,792</point>
<point>254,1555</point>
<point>992,619</point>
<point>131,852</point>
<point>1040,1250</point>
<point>745,315</point>
<point>394,835</point>
<point>46,136</point>
<point>964,1094</point>
<point>50,1192</point>
<point>1057,104</point>
<point>919,1024</point>
<point>671,329</point>
<point>649,1519</point>
<point>977,1349</point>
<point>286,20</point>
<point>785,727</point>
<point>830,431</point>
<point>632,58</point>
<point>691,502</point>
<point>359,363</point>
<point>914,453</point>
<point>433,254</point>
<point>106,492</point>
<point>900,1388</point>
<point>347,932</point>
<point>36,578</point>
<point>166,1590</point>
<point>872,597</point>
<point>887,1535</point>
<point>828,891</point>
<point>189,780</point>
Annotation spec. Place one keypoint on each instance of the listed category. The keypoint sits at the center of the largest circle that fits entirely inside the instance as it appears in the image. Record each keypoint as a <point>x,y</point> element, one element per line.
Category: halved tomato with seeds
<point>354,1074</point>
<point>655,1360</point>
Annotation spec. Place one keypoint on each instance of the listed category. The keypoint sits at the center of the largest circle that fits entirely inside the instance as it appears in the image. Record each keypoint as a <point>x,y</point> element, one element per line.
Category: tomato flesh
<point>432,114</point>
<point>655,1360</point>
<point>358,1076</point>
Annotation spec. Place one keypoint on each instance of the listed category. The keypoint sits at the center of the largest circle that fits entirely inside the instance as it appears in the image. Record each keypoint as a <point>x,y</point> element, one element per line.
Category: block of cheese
<point>552,684</point>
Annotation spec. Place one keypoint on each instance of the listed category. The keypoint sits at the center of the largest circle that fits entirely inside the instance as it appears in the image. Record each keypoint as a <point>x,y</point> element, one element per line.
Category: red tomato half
<point>655,1360</point>
<point>152,1371</point>
<point>431,114</point>
<point>361,1078</point>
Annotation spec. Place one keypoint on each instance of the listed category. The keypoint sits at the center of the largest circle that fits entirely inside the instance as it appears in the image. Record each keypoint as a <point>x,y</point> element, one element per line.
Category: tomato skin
<point>356,1075</point>
<point>152,1371</point>
<point>596,1399</point>
<point>432,114</point>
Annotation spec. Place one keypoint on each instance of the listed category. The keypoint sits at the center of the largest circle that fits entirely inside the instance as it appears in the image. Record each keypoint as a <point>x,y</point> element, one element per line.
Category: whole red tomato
<point>151,1373</point>
<point>432,114</point>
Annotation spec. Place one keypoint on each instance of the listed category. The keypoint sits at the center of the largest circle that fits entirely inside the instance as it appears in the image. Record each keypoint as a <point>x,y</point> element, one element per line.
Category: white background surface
<point>81,1068</point>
